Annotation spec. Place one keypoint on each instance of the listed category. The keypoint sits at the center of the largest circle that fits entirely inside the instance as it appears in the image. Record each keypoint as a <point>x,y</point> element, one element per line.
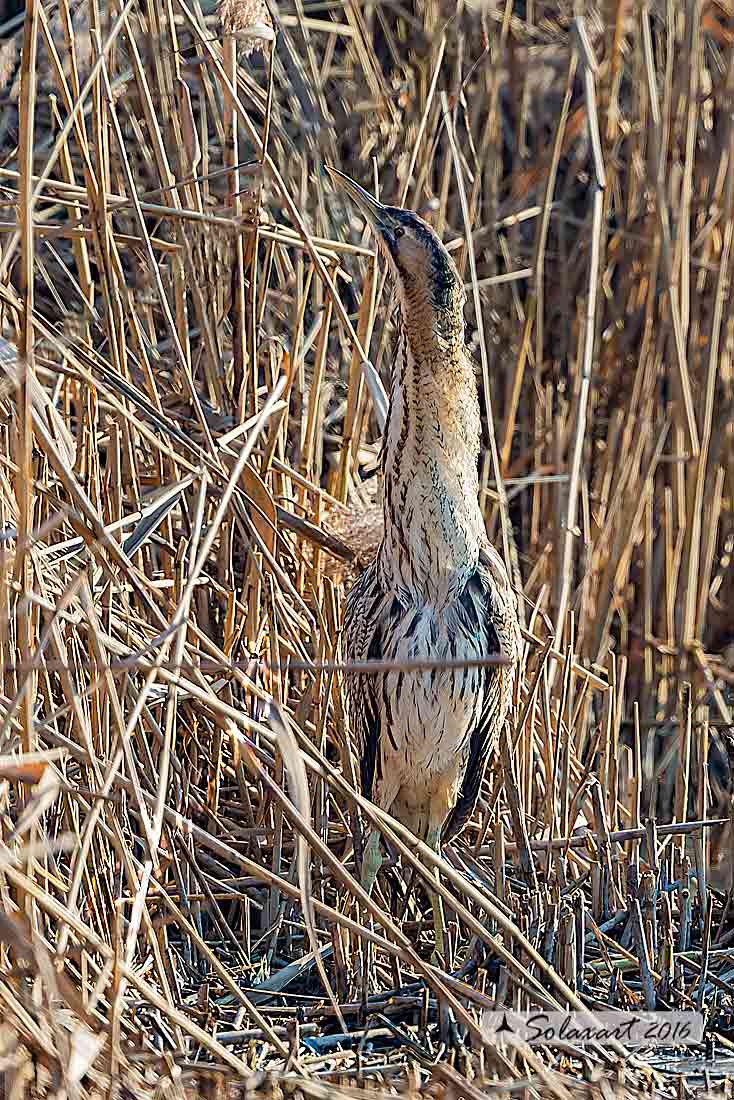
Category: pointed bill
<point>374,211</point>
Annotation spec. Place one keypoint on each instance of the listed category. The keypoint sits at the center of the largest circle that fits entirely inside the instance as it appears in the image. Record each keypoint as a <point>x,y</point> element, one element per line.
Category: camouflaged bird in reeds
<point>436,590</point>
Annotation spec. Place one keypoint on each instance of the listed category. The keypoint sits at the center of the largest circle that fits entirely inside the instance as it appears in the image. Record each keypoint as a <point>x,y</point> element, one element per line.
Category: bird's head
<point>420,263</point>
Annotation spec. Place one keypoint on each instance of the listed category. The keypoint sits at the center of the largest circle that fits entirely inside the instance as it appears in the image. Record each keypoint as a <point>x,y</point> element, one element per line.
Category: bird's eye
<point>398,231</point>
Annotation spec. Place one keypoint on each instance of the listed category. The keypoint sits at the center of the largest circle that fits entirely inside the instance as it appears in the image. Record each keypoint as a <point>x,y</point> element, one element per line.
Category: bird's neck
<point>433,523</point>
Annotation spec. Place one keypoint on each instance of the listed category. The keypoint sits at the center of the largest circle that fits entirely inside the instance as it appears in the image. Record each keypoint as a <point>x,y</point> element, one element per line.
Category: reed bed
<point>197,342</point>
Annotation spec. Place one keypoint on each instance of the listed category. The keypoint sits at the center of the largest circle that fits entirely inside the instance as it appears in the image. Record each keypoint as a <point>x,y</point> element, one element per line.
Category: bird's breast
<point>432,533</point>
<point>429,715</point>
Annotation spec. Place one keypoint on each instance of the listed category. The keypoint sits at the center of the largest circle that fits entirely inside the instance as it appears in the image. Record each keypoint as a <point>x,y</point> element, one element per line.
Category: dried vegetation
<point>197,344</point>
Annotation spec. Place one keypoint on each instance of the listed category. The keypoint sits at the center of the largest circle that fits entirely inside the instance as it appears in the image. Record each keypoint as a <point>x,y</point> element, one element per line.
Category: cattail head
<point>248,21</point>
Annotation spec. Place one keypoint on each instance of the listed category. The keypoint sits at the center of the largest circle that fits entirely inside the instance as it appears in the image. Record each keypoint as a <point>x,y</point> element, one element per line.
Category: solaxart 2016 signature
<point>633,1029</point>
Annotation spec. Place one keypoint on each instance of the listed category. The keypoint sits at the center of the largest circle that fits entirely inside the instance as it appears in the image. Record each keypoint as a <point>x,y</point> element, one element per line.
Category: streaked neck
<point>433,523</point>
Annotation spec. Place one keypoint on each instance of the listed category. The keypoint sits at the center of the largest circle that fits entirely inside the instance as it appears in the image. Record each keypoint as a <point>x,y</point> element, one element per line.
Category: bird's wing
<point>363,642</point>
<point>488,610</point>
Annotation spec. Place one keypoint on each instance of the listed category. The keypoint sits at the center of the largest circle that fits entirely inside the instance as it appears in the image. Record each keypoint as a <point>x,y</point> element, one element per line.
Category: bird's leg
<point>440,950</point>
<point>371,861</point>
<point>384,796</point>
<point>448,1028</point>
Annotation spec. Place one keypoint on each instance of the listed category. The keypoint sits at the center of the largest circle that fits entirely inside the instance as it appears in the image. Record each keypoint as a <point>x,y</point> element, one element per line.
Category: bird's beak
<point>375,213</point>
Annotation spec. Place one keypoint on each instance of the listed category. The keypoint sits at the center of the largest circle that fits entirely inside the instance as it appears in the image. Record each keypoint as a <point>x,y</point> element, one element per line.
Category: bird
<point>436,590</point>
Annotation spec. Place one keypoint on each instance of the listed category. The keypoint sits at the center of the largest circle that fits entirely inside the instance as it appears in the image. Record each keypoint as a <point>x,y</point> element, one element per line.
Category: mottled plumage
<point>426,737</point>
<point>436,589</point>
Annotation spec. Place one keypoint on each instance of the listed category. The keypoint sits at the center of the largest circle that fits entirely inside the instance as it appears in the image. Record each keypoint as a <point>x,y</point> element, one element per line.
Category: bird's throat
<point>433,523</point>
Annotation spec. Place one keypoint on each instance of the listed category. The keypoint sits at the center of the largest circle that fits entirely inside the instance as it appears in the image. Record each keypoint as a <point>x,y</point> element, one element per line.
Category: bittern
<point>436,589</point>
